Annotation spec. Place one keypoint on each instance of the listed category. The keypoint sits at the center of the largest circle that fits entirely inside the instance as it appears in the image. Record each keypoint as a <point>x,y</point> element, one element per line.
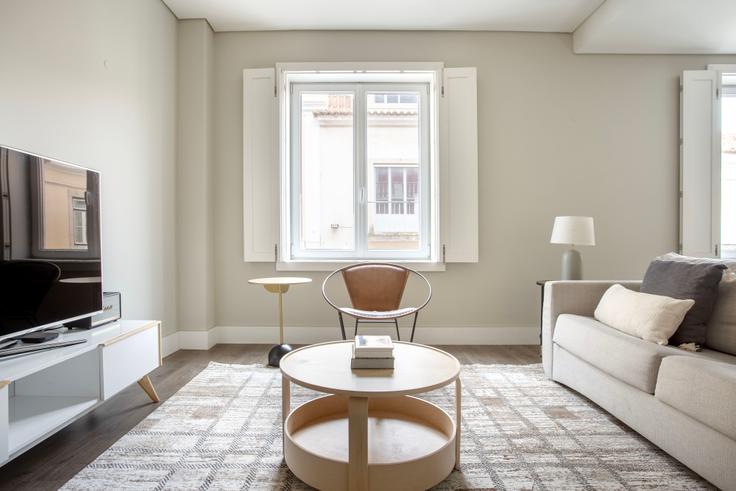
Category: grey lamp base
<point>572,265</point>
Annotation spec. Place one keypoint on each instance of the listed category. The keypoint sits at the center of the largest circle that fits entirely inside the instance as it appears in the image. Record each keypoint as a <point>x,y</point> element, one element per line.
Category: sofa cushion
<point>627,358</point>
<point>701,388</point>
<point>686,280</point>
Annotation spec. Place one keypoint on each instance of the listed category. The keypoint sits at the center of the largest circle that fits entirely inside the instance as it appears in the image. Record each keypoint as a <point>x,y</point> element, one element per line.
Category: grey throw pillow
<point>697,281</point>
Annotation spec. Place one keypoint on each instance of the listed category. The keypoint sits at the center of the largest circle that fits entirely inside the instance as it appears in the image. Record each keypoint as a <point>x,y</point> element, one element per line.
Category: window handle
<point>362,195</point>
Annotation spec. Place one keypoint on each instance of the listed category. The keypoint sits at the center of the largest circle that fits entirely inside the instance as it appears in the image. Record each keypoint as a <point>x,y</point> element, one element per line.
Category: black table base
<point>276,353</point>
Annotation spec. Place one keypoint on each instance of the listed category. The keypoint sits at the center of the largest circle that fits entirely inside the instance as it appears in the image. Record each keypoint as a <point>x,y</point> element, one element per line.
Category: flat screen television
<point>50,265</point>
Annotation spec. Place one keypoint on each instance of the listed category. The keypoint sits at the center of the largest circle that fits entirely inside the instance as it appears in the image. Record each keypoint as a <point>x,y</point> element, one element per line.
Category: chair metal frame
<point>412,310</point>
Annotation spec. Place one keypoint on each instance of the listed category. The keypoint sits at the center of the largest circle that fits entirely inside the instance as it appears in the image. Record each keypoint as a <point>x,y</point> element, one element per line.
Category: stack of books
<point>372,352</point>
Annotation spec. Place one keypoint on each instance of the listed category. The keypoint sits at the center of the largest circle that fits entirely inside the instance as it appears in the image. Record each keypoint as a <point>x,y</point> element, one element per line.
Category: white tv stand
<point>42,392</point>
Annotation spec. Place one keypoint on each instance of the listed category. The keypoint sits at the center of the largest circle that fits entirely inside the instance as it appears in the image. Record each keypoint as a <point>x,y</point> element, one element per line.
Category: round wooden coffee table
<point>370,433</point>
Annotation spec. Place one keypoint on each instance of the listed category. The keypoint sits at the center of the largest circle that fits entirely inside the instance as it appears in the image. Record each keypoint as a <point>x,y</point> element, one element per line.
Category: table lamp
<point>573,231</point>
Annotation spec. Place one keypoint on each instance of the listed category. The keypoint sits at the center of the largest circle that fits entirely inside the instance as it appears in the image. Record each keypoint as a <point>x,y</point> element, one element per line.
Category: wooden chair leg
<point>147,387</point>
<point>356,327</point>
<point>414,326</point>
<point>342,326</point>
<point>398,336</point>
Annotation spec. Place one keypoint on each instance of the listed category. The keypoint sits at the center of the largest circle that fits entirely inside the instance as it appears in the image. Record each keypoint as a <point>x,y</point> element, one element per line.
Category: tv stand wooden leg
<point>147,387</point>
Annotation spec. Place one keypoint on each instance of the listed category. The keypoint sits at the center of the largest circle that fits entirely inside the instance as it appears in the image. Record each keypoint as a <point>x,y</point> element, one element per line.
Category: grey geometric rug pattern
<point>222,431</point>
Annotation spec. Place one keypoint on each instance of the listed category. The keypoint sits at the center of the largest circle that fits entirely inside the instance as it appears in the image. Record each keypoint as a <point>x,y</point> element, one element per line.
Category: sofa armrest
<point>570,297</point>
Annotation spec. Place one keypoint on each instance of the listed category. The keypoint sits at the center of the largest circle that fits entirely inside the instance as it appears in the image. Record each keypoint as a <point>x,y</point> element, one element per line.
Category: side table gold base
<point>279,285</point>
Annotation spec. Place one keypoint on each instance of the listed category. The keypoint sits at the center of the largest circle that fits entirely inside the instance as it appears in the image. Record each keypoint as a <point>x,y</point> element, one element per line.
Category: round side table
<point>280,285</point>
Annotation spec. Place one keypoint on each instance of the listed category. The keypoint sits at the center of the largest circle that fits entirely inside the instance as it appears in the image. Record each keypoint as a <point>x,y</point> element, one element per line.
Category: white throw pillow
<point>653,318</point>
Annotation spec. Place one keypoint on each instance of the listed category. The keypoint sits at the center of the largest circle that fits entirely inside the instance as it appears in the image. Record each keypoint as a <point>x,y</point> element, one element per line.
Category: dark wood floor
<point>53,462</point>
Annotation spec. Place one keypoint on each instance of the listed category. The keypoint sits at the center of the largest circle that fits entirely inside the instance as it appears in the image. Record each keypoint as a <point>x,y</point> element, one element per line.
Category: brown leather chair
<point>375,291</point>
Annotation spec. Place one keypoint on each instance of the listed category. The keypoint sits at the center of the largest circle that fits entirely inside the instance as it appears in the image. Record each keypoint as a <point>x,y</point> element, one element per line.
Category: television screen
<point>50,267</point>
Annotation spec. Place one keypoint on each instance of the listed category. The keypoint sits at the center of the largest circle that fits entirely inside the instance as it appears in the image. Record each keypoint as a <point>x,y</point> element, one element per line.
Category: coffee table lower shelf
<point>411,443</point>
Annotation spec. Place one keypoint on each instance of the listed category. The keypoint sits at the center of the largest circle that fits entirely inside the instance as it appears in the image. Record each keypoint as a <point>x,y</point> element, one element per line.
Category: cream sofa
<point>683,402</point>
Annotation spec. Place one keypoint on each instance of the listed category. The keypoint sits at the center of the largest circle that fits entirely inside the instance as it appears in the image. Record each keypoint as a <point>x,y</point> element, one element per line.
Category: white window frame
<point>725,251</point>
<point>378,75</point>
<point>360,91</point>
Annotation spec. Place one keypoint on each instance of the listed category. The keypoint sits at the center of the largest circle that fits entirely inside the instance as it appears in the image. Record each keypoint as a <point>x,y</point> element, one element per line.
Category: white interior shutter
<point>700,197</point>
<point>459,166</point>
<point>260,165</point>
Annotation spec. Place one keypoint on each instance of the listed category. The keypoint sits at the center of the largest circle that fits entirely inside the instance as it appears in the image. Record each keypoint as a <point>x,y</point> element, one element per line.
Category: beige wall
<point>559,134</point>
<point>94,83</point>
<point>194,227</point>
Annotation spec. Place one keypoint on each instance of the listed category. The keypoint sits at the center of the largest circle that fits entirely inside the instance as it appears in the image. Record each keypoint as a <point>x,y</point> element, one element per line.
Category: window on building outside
<point>396,185</point>
<point>360,172</point>
<point>79,220</point>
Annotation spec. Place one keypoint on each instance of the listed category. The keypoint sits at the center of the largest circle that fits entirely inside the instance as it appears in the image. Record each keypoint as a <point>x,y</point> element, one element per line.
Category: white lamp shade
<point>573,230</point>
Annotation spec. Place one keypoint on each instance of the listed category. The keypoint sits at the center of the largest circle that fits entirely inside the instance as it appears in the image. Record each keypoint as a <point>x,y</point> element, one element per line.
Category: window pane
<point>728,177</point>
<point>393,156</point>
<point>327,198</point>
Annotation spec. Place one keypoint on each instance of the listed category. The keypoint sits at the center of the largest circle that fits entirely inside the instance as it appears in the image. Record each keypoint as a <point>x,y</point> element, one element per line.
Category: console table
<point>42,392</point>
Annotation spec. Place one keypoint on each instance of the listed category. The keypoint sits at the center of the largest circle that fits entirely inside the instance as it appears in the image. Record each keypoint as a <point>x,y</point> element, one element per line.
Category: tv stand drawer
<point>129,357</point>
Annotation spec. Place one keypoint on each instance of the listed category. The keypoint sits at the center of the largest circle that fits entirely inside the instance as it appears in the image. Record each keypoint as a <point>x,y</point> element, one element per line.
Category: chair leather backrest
<point>375,287</point>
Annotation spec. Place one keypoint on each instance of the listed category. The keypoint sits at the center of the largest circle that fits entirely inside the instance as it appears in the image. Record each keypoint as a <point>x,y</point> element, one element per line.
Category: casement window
<point>708,162</point>
<point>346,162</point>
<point>346,203</point>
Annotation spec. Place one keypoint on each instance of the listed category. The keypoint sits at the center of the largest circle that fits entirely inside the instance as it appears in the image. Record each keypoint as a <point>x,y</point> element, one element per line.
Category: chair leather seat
<point>378,314</point>
<point>376,291</point>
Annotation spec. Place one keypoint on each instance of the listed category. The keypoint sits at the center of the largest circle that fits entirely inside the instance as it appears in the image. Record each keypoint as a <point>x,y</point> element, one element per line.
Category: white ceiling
<point>659,26</point>
<point>471,15</point>
<point>599,26</point>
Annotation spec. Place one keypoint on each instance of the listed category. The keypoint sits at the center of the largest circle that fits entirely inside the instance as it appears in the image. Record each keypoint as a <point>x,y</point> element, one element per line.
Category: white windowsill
<point>332,265</point>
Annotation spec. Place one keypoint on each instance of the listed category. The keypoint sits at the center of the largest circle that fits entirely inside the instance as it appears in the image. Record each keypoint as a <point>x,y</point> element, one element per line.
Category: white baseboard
<point>204,340</point>
<point>170,344</point>
<point>197,339</point>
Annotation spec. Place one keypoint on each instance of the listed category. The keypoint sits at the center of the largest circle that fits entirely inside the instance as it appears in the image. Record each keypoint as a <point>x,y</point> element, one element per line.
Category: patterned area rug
<point>520,431</point>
